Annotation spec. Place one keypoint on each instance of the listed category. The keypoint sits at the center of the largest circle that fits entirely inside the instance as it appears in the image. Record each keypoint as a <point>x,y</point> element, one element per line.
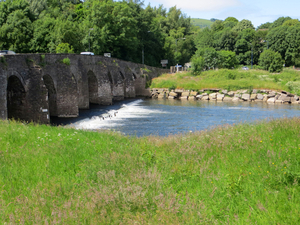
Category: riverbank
<point>232,174</point>
<point>232,80</point>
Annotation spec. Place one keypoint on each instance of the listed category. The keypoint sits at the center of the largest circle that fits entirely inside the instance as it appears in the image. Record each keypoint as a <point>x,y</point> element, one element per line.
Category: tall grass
<point>243,174</point>
<point>232,80</point>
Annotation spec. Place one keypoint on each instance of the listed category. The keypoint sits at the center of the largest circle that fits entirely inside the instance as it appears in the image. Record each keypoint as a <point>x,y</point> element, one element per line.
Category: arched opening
<point>16,99</point>
<point>122,75</point>
<point>133,77</point>
<point>52,99</point>
<point>93,87</point>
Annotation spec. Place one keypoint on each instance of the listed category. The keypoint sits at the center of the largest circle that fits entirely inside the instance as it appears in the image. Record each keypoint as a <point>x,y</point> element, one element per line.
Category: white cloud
<point>200,5</point>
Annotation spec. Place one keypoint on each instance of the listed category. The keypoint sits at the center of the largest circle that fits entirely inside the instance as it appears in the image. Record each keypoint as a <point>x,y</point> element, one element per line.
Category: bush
<point>66,61</point>
<point>197,64</point>
<point>227,59</point>
<point>64,48</point>
<point>271,61</point>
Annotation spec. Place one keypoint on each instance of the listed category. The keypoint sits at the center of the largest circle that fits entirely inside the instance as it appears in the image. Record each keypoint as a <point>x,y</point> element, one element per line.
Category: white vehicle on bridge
<point>86,53</point>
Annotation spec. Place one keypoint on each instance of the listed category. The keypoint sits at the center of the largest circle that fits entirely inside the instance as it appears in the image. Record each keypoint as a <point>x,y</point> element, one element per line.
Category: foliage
<point>64,48</point>
<point>197,65</point>
<point>271,61</point>
<point>66,61</point>
<point>227,59</point>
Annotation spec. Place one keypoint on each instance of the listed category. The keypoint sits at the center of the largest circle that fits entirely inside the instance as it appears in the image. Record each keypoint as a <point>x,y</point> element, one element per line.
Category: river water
<point>141,117</point>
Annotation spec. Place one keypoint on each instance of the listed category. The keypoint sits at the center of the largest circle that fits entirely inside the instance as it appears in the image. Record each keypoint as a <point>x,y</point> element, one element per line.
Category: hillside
<point>202,23</point>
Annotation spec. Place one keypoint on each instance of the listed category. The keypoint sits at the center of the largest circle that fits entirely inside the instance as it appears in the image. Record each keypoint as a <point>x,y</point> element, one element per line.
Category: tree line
<point>231,42</point>
<point>127,28</point>
<point>123,28</point>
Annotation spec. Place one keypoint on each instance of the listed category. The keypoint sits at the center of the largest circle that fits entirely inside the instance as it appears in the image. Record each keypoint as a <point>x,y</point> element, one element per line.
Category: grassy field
<point>288,80</point>
<point>242,174</point>
<point>202,23</point>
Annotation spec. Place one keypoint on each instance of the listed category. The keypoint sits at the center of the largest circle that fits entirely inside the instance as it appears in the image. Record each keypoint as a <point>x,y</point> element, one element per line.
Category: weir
<point>34,87</point>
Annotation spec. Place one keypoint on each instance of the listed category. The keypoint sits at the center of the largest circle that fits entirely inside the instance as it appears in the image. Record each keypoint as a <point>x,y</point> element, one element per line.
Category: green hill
<point>202,23</point>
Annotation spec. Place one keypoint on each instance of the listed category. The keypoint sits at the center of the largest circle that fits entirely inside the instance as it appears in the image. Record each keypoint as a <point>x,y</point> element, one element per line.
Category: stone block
<point>220,97</point>
<point>246,97</point>
<point>205,98</point>
<point>260,96</point>
<point>193,93</point>
<point>227,99</point>
<point>253,96</point>
<point>271,100</point>
<point>185,93</point>
<point>174,94</point>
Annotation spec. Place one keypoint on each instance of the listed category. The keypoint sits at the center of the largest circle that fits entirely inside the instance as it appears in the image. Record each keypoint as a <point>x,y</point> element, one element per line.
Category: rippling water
<point>164,117</point>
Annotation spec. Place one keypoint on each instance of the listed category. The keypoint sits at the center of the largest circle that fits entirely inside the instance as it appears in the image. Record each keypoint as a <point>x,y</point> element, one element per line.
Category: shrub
<point>227,59</point>
<point>270,60</point>
<point>66,61</point>
<point>64,48</point>
<point>197,65</point>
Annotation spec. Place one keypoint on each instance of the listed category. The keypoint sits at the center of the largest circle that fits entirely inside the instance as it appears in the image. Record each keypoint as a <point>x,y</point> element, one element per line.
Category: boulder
<point>220,97</point>
<point>258,100</point>
<point>224,92</point>
<point>192,97</point>
<point>174,94</point>
<point>171,97</point>
<point>265,98</point>
<point>179,90</point>
<point>227,99</point>
<point>185,93</point>
<point>282,96</point>
<point>155,95</point>
<point>260,96</point>
<point>184,97</point>
<point>254,91</point>
<point>205,98</point>
<point>198,97</point>
<point>204,94</point>
<point>231,93</point>
<point>235,99</point>
<point>162,95</point>
<point>246,97</point>
<point>296,97</point>
<point>271,100</point>
<point>193,93</point>
<point>296,102</point>
<point>213,96</point>
<point>237,95</point>
<point>253,96</point>
<point>287,99</point>
<point>271,94</point>
<point>278,101</point>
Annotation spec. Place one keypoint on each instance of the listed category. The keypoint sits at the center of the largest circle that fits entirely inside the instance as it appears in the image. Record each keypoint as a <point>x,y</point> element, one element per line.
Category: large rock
<point>224,92</point>
<point>254,91</point>
<point>246,97</point>
<point>253,96</point>
<point>193,93</point>
<point>260,96</point>
<point>198,97</point>
<point>265,98</point>
<point>235,99</point>
<point>213,96</point>
<point>220,97</point>
<point>205,98</point>
<point>171,97</point>
<point>185,93</point>
<point>174,94</point>
<point>162,95</point>
<point>184,97</point>
<point>179,90</point>
<point>237,95</point>
<point>231,93</point>
<point>286,99</point>
<point>227,99</point>
<point>271,100</point>
<point>271,94</point>
<point>278,101</point>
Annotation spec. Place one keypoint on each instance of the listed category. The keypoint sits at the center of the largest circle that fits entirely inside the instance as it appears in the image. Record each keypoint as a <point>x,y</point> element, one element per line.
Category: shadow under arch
<point>93,87</point>
<point>52,95</point>
<point>16,99</point>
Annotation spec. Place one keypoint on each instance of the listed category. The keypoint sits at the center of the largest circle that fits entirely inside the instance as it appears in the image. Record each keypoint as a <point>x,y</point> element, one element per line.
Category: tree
<point>227,59</point>
<point>64,48</point>
<point>271,61</point>
<point>242,25</point>
<point>197,64</point>
<point>279,22</point>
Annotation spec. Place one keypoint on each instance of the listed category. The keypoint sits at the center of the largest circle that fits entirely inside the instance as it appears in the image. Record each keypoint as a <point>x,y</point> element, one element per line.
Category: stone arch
<point>16,74</point>
<point>133,77</point>
<point>93,87</point>
<point>16,98</point>
<point>52,94</point>
<point>122,75</point>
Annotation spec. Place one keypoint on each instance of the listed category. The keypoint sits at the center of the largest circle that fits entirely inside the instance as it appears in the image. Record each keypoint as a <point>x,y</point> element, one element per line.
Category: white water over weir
<point>164,117</point>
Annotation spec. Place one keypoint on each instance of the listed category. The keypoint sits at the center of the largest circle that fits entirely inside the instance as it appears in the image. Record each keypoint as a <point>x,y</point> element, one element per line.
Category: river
<point>141,117</point>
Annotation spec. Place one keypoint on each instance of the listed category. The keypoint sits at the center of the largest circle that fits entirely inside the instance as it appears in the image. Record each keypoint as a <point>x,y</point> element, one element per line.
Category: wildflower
<point>250,173</point>
<point>260,141</point>
<point>267,171</point>
<point>284,173</point>
<point>273,163</point>
<point>211,182</point>
<point>285,167</point>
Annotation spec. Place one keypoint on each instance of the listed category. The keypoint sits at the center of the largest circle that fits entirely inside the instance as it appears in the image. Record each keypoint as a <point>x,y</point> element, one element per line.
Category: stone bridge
<point>34,87</point>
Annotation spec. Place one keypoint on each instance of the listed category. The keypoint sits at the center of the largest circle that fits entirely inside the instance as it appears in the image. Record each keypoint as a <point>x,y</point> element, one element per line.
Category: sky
<point>257,11</point>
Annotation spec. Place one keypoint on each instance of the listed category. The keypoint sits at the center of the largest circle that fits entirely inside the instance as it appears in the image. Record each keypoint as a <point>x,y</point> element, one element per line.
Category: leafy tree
<point>227,40</point>
<point>277,39</point>
<point>264,26</point>
<point>270,60</point>
<point>217,25</point>
<point>279,22</point>
<point>227,59</point>
<point>292,54</point>
<point>211,58</point>
<point>242,25</point>
<point>197,64</point>
<point>291,23</point>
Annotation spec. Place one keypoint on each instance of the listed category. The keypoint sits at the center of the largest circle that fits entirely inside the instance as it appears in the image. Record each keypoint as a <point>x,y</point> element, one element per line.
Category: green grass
<point>243,174</point>
<point>288,80</point>
<point>202,23</point>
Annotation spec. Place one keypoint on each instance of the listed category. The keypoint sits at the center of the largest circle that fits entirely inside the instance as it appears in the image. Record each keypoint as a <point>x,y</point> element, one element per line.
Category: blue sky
<point>257,11</point>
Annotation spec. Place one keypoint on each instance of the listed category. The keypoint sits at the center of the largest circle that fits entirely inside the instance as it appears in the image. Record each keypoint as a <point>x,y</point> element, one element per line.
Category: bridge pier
<point>34,87</point>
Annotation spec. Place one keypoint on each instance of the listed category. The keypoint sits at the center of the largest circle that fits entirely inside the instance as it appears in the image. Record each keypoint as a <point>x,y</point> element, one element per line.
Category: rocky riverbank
<point>255,95</point>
